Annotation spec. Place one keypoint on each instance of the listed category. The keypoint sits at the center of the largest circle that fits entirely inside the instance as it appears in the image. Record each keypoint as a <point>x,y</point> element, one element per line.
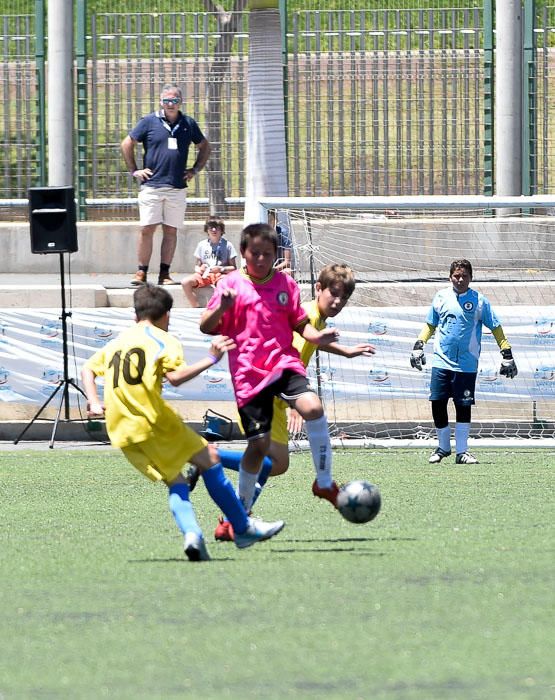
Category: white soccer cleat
<point>195,548</point>
<point>257,531</point>
<point>437,455</point>
<point>466,458</point>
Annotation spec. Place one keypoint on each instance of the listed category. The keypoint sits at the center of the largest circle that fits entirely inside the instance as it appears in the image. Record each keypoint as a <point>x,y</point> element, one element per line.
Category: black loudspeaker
<point>53,221</point>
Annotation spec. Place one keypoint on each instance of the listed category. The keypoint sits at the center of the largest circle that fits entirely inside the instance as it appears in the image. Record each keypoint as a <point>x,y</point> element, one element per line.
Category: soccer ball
<point>359,501</point>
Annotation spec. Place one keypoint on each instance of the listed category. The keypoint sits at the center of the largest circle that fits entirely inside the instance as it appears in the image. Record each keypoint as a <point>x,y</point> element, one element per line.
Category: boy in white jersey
<point>335,285</point>
<point>456,316</point>
<point>149,432</point>
<point>259,308</point>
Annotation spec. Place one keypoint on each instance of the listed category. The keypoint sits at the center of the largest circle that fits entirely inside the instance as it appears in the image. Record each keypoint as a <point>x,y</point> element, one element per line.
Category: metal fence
<point>377,102</point>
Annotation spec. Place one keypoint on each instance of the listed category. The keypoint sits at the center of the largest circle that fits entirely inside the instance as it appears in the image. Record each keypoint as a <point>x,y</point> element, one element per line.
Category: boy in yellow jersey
<point>334,288</point>
<point>149,432</point>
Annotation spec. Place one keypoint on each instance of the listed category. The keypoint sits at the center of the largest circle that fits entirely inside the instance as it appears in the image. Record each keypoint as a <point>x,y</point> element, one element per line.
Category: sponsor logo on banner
<point>488,375</point>
<point>102,335</point>
<point>51,377</point>
<point>4,374</point>
<point>545,331</point>
<point>544,379</point>
<point>3,334</point>
<point>49,333</point>
<point>215,379</point>
<point>377,332</point>
<point>545,373</point>
<point>379,376</point>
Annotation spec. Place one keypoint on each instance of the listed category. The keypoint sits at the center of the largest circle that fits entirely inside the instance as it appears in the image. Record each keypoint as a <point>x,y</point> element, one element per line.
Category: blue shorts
<point>459,386</point>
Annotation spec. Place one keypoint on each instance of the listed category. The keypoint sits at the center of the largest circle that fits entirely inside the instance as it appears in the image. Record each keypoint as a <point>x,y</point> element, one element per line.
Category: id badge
<point>172,143</point>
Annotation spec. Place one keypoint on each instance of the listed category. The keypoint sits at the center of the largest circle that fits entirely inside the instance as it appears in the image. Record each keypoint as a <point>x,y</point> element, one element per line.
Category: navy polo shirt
<point>167,164</point>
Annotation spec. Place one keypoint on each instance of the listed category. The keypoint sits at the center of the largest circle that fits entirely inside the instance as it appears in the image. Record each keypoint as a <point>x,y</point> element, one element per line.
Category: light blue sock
<point>231,459</point>
<point>182,509</point>
<point>223,494</point>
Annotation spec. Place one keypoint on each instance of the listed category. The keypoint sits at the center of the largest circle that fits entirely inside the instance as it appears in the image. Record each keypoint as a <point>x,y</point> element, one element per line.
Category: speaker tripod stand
<point>66,382</point>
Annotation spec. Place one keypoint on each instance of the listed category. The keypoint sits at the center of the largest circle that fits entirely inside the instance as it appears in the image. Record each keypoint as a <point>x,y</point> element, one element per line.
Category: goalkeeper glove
<point>508,366</point>
<point>417,357</point>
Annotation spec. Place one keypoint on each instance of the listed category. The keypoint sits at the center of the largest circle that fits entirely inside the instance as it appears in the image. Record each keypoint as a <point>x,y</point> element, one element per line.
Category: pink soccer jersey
<point>261,321</point>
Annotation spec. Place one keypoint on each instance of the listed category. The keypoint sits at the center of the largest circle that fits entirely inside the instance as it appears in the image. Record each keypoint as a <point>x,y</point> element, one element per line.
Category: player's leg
<point>256,420</point>
<point>440,391</point>
<point>309,406</point>
<point>463,397</point>
<point>160,462</point>
<point>246,530</point>
<point>277,462</point>
<point>183,513</point>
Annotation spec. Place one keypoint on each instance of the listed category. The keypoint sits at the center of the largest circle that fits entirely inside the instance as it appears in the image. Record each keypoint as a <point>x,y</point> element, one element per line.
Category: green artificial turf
<point>447,594</point>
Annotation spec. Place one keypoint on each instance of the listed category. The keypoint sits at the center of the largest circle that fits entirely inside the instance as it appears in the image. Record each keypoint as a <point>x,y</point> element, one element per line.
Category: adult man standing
<point>166,135</point>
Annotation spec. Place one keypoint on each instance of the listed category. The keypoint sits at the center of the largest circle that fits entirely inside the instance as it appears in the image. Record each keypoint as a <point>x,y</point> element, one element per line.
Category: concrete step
<point>105,290</point>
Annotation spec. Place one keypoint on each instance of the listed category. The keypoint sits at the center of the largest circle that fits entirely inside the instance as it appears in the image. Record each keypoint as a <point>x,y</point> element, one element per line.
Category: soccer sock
<point>320,446</point>
<point>462,431</point>
<point>246,487</point>
<point>231,459</point>
<point>444,438</point>
<point>223,494</point>
<point>182,509</point>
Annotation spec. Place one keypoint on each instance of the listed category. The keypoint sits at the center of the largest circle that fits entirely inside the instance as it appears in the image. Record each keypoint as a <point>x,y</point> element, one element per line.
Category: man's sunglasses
<point>171,100</point>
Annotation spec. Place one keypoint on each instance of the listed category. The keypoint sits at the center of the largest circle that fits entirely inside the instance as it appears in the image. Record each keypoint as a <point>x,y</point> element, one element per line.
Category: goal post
<point>400,249</point>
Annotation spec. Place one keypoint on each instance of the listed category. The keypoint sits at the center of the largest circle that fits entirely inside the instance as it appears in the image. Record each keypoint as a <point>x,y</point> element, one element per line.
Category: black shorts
<point>256,416</point>
<point>459,386</point>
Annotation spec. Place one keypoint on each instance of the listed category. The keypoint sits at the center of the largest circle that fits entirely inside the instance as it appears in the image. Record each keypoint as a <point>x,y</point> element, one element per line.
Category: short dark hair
<point>337,274</point>
<point>462,263</point>
<point>151,302</point>
<point>213,222</point>
<point>263,231</point>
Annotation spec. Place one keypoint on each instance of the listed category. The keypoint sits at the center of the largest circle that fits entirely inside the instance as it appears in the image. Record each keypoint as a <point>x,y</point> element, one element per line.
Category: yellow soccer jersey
<point>133,366</point>
<point>306,349</point>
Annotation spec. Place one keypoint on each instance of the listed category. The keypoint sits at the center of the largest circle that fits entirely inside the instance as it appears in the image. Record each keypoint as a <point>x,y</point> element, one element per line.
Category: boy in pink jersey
<point>259,308</point>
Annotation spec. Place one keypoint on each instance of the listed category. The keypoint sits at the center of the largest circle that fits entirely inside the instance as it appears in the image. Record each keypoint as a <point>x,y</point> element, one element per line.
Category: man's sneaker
<point>466,458</point>
<point>139,278</point>
<point>224,530</point>
<point>165,280</point>
<point>437,455</point>
<point>330,494</point>
<point>257,531</point>
<point>194,547</point>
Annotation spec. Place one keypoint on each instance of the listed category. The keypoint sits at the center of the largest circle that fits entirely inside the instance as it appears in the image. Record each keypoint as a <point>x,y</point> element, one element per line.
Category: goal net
<point>400,249</point>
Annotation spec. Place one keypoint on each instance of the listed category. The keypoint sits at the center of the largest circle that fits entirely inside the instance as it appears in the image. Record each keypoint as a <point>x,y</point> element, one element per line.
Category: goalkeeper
<point>456,317</point>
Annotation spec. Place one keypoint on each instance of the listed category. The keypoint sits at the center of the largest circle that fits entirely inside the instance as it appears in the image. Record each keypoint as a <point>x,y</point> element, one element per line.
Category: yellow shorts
<point>163,460</point>
<point>279,431</point>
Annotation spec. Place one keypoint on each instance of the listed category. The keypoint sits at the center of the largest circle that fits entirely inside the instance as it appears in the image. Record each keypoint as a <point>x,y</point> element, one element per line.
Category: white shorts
<point>162,205</point>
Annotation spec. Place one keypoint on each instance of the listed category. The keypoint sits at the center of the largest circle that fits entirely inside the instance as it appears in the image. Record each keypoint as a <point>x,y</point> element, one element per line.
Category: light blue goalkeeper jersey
<point>458,319</point>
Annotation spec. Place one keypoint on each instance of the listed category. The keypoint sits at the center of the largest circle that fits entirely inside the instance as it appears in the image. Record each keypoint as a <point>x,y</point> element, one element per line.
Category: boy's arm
<point>187,372</point>
<point>211,318</point>
<point>94,406</point>
<point>508,365</point>
<point>350,351</point>
<point>323,337</point>
<point>417,357</point>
